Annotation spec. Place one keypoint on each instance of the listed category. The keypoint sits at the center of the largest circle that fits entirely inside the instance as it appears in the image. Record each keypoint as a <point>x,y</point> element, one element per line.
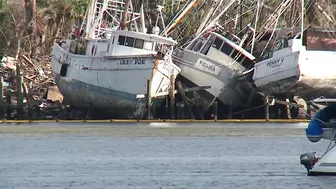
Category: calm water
<point>157,162</point>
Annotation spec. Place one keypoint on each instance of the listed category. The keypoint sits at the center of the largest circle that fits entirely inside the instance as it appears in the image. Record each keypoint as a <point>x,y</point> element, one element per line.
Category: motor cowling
<point>308,160</point>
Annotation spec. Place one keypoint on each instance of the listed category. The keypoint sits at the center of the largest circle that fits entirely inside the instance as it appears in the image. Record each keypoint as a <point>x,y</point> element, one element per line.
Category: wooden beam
<point>185,99</point>
<point>175,92</point>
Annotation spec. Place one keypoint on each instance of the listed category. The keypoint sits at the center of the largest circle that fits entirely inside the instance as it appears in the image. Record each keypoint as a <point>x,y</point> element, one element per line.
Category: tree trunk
<point>35,29</point>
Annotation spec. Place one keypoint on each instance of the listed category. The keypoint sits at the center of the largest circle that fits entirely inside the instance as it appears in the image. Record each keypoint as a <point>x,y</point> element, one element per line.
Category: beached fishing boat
<point>216,58</point>
<point>301,63</point>
<point>108,68</point>
<point>304,67</point>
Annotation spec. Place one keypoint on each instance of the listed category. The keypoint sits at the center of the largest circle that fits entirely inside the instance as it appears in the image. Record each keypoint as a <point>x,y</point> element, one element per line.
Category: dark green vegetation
<point>35,25</point>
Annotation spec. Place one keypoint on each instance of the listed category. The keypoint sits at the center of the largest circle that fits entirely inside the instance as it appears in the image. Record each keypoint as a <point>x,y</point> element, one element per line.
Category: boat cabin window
<point>108,47</point>
<point>226,49</point>
<point>232,38</point>
<point>78,47</point>
<point>267,55</point>
<point>206,47</point>
<point>236,55</point>
<point>139,43</point>
<point>135,42</point>
<point>198,46</point>
<point>129,41</point>
<point>191,47</point>
<point>282,43</point>
<point>148,45</point>
<point>217,43</point>
<point>121,40</point>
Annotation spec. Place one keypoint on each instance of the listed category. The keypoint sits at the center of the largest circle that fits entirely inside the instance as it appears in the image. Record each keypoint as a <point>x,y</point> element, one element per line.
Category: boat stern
<point>59,58</point>
<point>275,75</point>
<point>161,80</point>
<point>324,166</point>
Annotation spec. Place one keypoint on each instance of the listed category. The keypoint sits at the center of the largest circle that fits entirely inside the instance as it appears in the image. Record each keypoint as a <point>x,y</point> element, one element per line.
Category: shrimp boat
<point>301,66</point>
<point>109,68</point>
<point>217,59</point>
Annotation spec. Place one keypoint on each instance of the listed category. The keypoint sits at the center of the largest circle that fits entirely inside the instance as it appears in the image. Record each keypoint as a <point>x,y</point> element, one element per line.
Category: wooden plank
<point>185,99</point>
<point>282,102</point>
<point>28,99</point>
<point>192,89</point>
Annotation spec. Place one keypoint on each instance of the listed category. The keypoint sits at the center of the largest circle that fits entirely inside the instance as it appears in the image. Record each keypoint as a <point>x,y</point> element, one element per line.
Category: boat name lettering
<point>132,61</point>
<point>139,61</point>
<point>275,63</point>
<point>165,66</point>
<point>208,66</point>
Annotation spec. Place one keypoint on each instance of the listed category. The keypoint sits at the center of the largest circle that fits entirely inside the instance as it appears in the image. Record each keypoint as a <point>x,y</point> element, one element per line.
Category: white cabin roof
<point>145,36</point>
<point>238,48</point>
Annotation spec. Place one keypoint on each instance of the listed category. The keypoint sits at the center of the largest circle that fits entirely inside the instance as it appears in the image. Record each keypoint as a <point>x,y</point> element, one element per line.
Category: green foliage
<point>3,15</point>
<point>56,18</point>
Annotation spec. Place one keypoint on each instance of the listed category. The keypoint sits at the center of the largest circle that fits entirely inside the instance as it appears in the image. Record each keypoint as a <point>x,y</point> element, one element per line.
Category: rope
<point>330,144</point>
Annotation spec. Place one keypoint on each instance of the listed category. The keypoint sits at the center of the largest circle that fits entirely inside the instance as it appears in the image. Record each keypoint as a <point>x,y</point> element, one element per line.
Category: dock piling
<point>28,100</point>
<point>288,109</point>
<point>266,104</point>
<point>9,106</point>
<point>149,98</point>
<point>215,110</point>
<point>182,110</point>
<point>1,99</point>
<point>185,99</point>
<point>178,110</point>
<point>167,108</point>
<point>19,96</point>
<point>230,110</point>
<point>20,112</point>
<point>172,96</point>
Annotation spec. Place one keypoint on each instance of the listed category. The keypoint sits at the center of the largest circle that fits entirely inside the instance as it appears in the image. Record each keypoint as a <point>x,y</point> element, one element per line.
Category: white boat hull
<point>201,71</point>
<point>308,74</point>
<point>110,82</point>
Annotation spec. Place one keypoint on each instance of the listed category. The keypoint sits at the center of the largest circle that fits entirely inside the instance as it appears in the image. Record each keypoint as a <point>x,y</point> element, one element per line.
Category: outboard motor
<point>308,160</point>
<point>314,131</point>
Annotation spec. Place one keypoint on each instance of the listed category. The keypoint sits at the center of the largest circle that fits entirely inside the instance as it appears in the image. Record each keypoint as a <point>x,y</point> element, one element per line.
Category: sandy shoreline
<point>133,131</point>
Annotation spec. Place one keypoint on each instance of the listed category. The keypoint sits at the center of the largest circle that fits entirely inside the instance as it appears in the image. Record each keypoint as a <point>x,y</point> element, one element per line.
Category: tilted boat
<point>217,59</point>
<point>300,64</point>
<point>304,67</point>
<point>109,67</point>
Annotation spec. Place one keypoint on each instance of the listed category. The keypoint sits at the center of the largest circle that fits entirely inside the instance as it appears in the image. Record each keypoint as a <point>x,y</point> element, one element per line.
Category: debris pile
<point>36,74</point>
<point>39,97</point>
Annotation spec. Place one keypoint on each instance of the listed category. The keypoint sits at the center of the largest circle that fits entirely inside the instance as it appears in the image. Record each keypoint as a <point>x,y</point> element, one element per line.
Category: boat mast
<point>142,18</point>
<point>124,15</point>
<point>89,17</point>
<point>179,17</point>
<point>255,25</point>
<point>214,21</point>
<point>220,15</point>
<point>212,11</point>
<point>302,21</point>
